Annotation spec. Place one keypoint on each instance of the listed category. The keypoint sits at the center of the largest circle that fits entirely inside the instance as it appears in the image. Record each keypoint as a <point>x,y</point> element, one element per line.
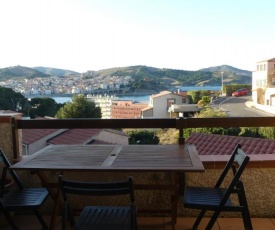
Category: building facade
<point>263,85</point>
<point>104,102</point>
<point>167,104</point>
<point>126,109</point>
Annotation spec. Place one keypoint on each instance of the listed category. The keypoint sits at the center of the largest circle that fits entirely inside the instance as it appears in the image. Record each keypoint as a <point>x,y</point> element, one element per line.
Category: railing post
<point>180,125</point>
<point>15,139</point>
<point>10,136</point>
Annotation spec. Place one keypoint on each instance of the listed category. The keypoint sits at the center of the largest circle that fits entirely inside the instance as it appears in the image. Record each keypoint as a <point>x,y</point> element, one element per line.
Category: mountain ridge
<point>55,71</point>
<point>206,76</point>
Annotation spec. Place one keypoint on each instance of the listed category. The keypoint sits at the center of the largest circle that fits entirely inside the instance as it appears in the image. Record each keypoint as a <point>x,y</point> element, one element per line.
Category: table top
<point>173,158</point>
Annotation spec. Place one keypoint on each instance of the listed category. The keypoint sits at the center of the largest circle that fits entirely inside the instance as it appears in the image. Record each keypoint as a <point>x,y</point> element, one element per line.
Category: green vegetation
<point>10,100</point>
<point>196,95</point>
<point>19,72</point>
<point>142,137</point>
<point>157,79</point>
<point>54,71</point>
<point>41,107</point>
<point>79,108</point>
<point>150,79</point>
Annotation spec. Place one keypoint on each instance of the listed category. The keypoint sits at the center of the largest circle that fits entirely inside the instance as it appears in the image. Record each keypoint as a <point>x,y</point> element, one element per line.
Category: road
<point>238,107</point>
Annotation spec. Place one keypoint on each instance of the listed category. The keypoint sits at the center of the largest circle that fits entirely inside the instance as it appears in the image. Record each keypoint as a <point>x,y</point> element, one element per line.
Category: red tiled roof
<point>31,135</point>
<point>213,144</point>
<point>74,136</point>
<point>162,93</point>
<point>147,108</point>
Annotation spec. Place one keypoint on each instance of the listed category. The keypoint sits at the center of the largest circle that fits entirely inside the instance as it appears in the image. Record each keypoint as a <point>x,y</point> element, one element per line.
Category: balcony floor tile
<point>29,222</point>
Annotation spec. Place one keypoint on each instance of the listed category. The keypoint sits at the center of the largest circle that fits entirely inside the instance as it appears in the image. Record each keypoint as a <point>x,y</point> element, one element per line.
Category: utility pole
<point>222,83</point>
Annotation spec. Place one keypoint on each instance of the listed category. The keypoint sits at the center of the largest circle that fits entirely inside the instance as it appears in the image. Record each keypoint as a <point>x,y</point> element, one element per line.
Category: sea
<point>143,98</point>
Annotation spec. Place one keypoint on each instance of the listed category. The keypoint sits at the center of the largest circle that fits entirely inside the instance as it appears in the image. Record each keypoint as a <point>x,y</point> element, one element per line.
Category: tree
<point>142,137</point>
<point>206,100</point>
<point>41,107</point>
<point>10,100</point>
<point>79,108</point>
<point>207,113</point>
<point>267,132</point>
<point>250,132</point>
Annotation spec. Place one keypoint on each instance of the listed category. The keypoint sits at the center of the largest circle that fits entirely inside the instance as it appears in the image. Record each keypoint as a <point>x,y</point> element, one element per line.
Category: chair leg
<point>245,211</point>
<point>212,220</point>
<point>10,221</point>
<point>246,220</point>
<point>198,220</point>
<point>41,220</point>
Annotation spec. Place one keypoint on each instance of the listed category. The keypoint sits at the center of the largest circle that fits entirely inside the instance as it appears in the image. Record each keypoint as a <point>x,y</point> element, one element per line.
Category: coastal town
<point>74,84</point>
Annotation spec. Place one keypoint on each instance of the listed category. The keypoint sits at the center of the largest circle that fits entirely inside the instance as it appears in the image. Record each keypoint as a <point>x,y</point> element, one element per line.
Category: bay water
<point>141,99</point>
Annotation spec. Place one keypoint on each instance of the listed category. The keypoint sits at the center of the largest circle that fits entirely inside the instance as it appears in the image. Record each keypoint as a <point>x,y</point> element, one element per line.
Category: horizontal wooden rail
<point>179,123</point>
<point>226,122</point>
<point>96,123</point>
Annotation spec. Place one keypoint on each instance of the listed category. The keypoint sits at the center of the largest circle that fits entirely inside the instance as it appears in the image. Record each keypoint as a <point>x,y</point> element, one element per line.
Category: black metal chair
<point>100,217</point>
<point>218,199</point>
<point>21,198</point>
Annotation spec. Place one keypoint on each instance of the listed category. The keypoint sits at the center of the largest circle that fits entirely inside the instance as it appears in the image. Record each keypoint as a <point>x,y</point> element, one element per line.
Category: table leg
<point>54,193</point>
<point>174,197</point>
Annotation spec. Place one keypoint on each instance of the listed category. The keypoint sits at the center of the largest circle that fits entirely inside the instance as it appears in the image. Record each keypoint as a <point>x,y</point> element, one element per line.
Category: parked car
<point>240,92</point>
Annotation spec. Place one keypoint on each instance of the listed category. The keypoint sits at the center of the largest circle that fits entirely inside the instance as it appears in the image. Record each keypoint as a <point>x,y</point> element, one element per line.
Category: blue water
<point>145,98</point>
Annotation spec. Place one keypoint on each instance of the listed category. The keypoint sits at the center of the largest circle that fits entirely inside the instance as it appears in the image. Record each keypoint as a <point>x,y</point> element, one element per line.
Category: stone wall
<point>259,185</point>
<point>6,138</point>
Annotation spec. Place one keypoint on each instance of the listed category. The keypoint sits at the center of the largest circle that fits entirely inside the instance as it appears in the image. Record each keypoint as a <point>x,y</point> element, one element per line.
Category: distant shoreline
<point>71,95</point>
<point>214,88</point>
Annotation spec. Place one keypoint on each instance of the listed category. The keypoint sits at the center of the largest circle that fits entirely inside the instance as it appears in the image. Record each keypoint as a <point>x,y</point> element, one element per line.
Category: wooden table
<point>174,159</point>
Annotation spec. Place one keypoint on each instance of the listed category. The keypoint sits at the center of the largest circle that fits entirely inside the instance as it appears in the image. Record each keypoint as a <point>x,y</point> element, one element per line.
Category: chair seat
<point>204,198</point>
<point>104,218</point>
<point>25,198</point>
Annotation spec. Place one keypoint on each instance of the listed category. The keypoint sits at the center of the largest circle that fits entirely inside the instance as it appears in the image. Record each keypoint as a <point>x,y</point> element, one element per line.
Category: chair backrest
<point>239,157</point>
<point>14,175</point>
<point>97,188</point>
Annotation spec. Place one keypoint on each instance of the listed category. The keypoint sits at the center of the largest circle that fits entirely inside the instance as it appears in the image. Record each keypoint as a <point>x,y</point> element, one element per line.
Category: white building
<point>263,85</point>
<point>167,104</point>
<point>104,102</point>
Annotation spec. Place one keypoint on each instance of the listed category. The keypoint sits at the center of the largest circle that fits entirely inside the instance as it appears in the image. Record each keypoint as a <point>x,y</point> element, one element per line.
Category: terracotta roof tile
<point>162,93</point>
<point>74,136</point>
<point>31,135</point>
<point>213,144</point>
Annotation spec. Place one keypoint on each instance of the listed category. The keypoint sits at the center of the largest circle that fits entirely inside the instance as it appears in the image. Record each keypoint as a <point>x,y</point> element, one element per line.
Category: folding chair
<point>21,198</point>
<point>218,199</point>
<point>100,217</point>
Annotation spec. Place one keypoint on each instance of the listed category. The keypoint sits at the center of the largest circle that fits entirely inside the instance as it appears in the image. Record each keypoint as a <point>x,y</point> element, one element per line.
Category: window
<point>183,100</point>
<point>170,101</point>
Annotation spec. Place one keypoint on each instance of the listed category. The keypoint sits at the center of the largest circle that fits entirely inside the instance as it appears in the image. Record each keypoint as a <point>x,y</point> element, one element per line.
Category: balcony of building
<point>258,179</point>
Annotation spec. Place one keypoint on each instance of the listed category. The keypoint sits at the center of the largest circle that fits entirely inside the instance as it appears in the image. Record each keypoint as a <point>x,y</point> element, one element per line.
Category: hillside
<point>19,72</point>
<point>54,71</point>
<point>145,77</point>
<point>172,77</point>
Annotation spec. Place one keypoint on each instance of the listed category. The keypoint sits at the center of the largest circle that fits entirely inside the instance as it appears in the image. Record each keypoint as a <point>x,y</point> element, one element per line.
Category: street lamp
<point>222,82</point>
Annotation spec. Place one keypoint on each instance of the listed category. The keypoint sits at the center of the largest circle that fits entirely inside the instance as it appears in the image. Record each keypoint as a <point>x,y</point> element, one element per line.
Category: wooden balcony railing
<point>178,123</point>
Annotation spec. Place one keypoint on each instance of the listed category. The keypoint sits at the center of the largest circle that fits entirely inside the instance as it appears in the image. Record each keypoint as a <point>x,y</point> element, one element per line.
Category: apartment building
<point>126,109</point>
<point>104,102</point>
<point>263,85</point>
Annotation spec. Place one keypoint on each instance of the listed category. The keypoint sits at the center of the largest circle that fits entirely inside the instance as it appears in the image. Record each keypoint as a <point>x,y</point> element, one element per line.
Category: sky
<point>82,35</point>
